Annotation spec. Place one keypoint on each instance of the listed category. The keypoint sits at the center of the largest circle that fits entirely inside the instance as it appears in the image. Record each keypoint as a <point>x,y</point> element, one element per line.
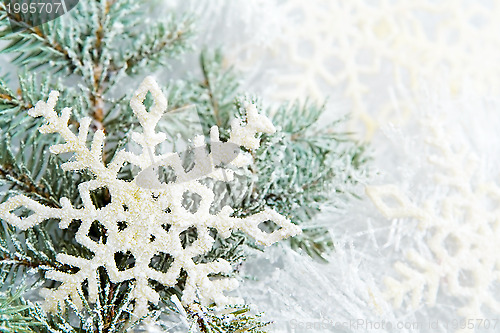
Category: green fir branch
<point>232,319</point>
<point>14,313</point>
<point>52,41</point>
<point>20,253</point>
<point>307,165</point>
<point>159,43</point>
<point>37,175</point>
<point>111,312</point>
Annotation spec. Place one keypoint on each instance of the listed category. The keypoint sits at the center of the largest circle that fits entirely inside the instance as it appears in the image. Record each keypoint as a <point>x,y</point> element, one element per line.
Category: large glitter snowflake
<point>154,217</point>
<point>462,233</point>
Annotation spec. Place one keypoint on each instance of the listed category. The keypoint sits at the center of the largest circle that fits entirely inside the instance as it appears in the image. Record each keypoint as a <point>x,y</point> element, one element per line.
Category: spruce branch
<point>305,167</point>
<point>110,313</point>
<point>37,175</point>
<point>161,42</point>
<point>210,89</point>
<point>36,45</point>
<point>14,313</point>
<point>22,252</point>
<point>232,319</point>
<point>24,183</point>
<point>18,177</point>
<point>221,84</point>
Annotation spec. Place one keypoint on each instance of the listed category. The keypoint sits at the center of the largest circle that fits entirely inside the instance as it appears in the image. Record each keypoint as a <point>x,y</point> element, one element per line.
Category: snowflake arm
<point>85,158</point>
<point>154,217</point>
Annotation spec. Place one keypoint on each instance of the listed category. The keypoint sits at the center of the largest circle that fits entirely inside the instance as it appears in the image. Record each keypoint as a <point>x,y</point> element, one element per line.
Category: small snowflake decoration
<point>154,217</point>
<point>462,233</point>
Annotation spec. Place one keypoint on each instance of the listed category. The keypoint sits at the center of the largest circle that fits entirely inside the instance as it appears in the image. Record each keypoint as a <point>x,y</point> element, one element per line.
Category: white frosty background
<point>392,63</point>
<point>290,288</point>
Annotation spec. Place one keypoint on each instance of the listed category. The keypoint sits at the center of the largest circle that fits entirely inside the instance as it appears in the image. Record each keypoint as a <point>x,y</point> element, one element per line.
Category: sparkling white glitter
<point>147,213</point>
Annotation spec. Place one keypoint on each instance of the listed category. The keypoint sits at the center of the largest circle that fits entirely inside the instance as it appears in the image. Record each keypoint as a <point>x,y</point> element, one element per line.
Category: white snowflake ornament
<point>462,234</point>
<point>154,215</point>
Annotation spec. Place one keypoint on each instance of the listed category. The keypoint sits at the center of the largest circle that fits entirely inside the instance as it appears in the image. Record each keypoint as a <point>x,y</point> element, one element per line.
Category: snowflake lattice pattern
<point>362,48</point>
<point>463,234</point>
<point>154,218</point>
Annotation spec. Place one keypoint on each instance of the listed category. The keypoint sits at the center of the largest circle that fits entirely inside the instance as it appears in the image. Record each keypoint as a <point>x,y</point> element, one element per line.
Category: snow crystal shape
<point>362,48</point>
<point>144,210</point>
<point>462,233</point>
